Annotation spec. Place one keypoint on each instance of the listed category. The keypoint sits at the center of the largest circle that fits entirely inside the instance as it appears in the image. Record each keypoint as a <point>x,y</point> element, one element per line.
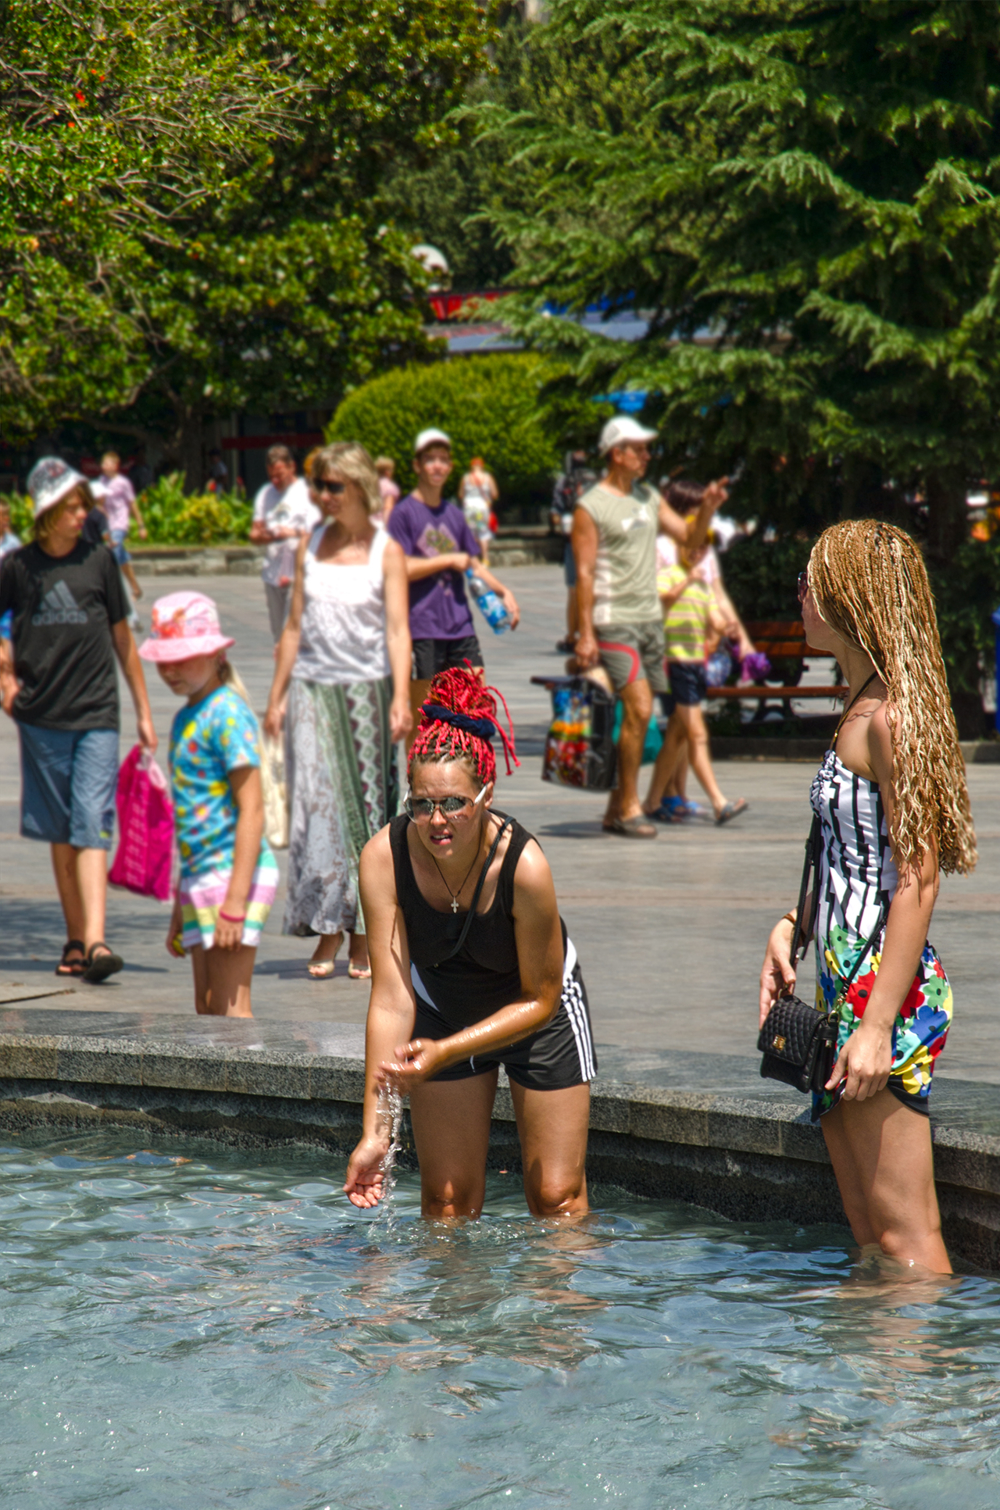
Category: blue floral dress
<point>856,882</point>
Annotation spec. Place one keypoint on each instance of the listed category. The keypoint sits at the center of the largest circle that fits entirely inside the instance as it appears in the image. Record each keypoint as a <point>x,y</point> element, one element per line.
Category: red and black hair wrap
<point>460,719</point>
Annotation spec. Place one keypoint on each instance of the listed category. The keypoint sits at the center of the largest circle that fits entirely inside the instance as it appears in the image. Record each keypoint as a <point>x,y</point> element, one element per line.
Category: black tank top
<point>484,975</point>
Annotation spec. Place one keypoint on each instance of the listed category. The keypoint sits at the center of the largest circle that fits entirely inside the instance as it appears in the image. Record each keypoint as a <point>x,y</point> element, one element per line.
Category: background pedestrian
<point>438,545</point>
<point>478,494</point>
<point>115,493</point>
<point>346,651</point>
<point>621,627</point>
<point>283,515</point>
<point>388,488</point>
<point>58,682</point>
<point>228,875</point>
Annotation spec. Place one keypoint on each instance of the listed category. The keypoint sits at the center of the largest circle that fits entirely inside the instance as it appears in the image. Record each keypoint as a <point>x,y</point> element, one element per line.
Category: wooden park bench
<point>784,644</point>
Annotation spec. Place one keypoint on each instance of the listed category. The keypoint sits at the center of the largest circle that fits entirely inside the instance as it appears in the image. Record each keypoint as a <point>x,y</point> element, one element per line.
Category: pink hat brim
<point>183,650</point>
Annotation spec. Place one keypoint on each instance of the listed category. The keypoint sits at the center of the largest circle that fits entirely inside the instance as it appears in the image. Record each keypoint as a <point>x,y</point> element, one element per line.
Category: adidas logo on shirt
<point>59,607</point>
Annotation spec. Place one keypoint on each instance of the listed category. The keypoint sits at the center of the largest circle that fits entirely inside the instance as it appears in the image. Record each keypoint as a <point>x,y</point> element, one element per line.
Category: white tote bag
<point>272,776</point>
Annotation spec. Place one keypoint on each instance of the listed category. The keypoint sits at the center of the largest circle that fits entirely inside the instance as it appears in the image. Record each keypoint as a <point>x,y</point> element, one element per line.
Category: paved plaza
<point>670,933</point>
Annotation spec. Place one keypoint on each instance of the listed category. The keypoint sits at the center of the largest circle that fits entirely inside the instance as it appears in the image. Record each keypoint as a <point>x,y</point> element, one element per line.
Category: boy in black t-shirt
<point>58,682</point>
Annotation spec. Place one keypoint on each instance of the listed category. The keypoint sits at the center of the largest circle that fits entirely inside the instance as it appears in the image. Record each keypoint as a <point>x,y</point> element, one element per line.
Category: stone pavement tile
<point>670,933</point>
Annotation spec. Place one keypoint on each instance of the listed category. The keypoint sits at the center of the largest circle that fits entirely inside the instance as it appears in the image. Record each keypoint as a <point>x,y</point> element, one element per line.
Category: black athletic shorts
<point>558,1056</point>
<point>431,656</point>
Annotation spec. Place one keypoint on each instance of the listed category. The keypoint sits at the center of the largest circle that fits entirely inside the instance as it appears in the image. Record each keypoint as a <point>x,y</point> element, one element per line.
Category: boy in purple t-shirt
<point>439,545</point>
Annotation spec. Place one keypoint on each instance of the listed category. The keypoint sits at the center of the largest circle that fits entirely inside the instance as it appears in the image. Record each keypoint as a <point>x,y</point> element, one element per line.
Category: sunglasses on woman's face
<point>422,808</point>
<point>324,485</point>
<point>803,585</point>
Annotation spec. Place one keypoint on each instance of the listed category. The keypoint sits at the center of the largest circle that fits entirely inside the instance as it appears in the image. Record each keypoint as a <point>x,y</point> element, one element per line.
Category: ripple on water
<point>191,1329</point>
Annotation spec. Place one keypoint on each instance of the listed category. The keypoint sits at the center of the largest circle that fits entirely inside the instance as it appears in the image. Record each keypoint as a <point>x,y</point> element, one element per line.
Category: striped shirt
<point>685,624</point>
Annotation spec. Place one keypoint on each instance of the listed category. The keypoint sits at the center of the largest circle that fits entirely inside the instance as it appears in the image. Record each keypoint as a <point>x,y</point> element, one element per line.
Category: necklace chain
<point>456,894</point>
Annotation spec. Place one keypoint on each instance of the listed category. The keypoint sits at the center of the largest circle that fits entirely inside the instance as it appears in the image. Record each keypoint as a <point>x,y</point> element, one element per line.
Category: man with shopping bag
<point>59,684</point>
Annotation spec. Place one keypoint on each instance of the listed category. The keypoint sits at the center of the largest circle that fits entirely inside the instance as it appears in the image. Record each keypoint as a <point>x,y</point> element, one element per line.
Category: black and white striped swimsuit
<point>856,883</point>
<point>484,976</point>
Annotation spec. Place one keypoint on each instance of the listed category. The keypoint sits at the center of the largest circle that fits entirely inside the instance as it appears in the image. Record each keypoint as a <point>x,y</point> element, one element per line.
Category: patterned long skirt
<point>343,788</point>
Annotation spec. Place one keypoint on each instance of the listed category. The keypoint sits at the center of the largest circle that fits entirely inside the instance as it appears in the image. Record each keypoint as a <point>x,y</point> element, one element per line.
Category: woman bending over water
<point>454,997</point>
<point>892,801</point>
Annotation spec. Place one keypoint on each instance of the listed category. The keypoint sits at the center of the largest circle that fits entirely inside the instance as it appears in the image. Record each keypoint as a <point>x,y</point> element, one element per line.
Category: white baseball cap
<point>430,438</point>
<point>50,480</point>
<point>620,430</point>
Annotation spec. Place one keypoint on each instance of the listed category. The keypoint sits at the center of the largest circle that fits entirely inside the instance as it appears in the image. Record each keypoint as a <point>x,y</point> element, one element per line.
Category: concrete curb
<point>513,548</point>
<point>753,1157</point>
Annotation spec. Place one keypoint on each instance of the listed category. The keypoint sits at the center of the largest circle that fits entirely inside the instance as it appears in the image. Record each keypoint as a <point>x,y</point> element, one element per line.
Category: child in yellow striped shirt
<point>689,615</point>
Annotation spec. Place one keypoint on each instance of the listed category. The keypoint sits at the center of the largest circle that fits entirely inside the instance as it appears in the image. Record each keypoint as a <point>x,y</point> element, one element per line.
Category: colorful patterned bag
<point>580,747</point>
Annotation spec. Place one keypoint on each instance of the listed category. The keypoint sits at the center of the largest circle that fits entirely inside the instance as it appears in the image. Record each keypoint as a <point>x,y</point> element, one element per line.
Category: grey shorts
<point>68,783</point>
<point>633,652</point>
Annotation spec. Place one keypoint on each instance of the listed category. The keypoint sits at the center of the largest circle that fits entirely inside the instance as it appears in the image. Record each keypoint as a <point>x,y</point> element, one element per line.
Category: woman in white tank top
<point>345,652</point>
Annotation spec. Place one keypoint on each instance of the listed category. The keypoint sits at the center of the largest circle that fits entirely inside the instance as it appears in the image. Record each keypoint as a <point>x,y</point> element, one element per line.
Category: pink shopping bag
<point>144,862</point>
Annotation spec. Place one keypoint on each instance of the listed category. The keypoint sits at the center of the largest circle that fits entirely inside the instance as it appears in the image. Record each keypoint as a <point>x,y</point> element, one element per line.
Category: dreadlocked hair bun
<point>871,586</point>
<point>459,719</point>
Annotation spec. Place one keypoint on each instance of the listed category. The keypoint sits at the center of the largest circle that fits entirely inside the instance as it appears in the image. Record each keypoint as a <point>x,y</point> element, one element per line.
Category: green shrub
<point>495,407</point>
<point>21,514</point>
<point>175,518</point>
<point>761,577</point>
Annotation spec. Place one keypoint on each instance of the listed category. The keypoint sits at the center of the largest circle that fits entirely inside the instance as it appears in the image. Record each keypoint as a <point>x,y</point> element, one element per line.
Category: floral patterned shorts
<point>920,1028</point>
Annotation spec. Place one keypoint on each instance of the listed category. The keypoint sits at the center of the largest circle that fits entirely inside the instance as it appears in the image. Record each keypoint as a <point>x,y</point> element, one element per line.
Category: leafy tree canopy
<point>187,219</point>
<point>803,197</point>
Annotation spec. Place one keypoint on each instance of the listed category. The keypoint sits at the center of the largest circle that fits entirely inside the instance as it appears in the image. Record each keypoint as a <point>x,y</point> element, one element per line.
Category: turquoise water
<point>229,1331</point>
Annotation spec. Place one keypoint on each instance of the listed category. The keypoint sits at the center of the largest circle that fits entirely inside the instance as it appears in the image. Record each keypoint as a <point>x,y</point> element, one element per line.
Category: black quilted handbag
<point>798,1041</point>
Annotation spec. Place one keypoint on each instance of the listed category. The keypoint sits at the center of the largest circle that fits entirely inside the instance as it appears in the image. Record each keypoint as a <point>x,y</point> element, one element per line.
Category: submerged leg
<point>883,1159</point>
<point>451,1130</point>
<point>552,1126</point>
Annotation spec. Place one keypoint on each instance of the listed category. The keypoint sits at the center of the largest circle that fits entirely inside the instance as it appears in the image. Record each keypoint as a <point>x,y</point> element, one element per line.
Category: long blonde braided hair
<point>870,584</point>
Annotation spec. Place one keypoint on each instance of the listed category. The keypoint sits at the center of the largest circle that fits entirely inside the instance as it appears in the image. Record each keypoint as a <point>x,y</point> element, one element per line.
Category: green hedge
<point>496,407</point>
<point>170,516</point>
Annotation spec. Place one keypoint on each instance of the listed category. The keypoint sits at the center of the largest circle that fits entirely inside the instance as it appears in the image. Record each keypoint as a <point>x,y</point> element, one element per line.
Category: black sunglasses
<point>323,485</point>
<point>803,585</point>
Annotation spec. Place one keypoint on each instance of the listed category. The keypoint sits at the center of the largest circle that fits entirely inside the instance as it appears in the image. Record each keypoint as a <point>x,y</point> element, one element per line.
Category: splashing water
<point>390,1115</point>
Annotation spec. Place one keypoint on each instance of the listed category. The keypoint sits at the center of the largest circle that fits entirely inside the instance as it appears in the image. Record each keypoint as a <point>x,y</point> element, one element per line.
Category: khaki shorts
<point>633,652</point>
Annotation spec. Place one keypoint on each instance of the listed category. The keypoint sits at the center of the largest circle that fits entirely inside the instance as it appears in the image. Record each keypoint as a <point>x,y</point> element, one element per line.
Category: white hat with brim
<point>430,438</point>
<point>50,480</point>
<point>622,431</point>
<point>184,624</point>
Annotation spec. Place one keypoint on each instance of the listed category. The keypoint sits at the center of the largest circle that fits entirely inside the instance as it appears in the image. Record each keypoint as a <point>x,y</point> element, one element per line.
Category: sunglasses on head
<point>418,808</point>
<point>324,485</point>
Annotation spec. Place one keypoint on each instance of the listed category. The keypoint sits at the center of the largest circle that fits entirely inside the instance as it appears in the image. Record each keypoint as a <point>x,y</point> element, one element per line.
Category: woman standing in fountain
<point>892,801</point>
<point>472,969</point>
<point>346,650</point>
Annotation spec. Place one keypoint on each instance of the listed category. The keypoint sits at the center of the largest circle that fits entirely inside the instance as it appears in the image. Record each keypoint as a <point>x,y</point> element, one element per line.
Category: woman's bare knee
<point>452,1199</point>
<point>555,1196</point>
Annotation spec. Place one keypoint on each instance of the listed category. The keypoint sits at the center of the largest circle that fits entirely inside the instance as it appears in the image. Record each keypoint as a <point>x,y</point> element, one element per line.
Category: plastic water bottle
<point>490,606</point>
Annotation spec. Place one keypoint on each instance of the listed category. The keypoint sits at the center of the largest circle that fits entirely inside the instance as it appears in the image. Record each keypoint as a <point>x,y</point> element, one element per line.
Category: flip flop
<point>100,966</point>
<point>639,827</point>
<point>72,967</point>
<point>731,810</point>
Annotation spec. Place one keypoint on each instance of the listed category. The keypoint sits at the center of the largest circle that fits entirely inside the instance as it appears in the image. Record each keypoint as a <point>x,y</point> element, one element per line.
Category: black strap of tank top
<point>478,893</point>
<point>802,932</point>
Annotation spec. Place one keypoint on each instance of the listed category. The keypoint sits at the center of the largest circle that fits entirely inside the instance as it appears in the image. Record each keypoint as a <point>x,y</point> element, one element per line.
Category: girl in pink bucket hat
<point>228,875</point>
